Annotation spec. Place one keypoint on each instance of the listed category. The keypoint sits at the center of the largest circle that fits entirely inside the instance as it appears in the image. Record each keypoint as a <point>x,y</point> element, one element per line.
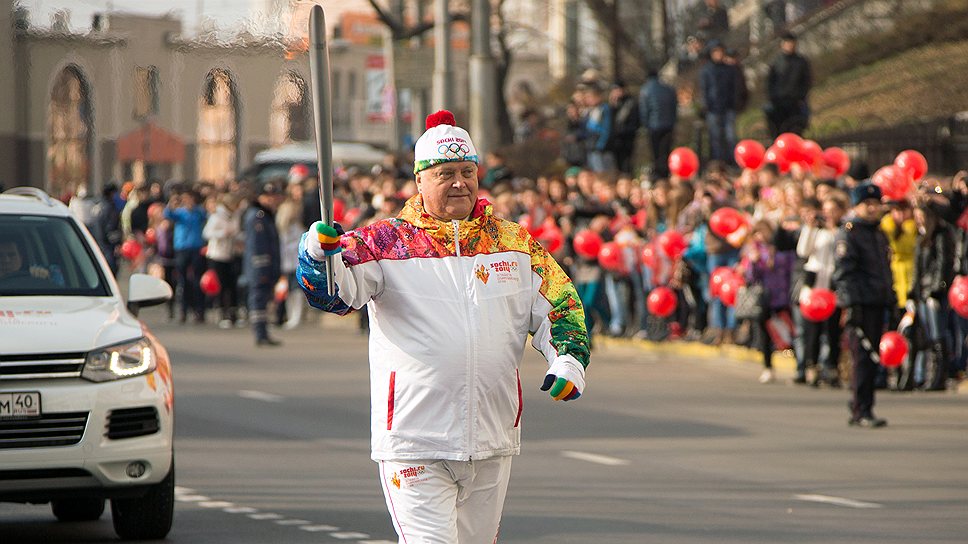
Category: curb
<point>782,360</point>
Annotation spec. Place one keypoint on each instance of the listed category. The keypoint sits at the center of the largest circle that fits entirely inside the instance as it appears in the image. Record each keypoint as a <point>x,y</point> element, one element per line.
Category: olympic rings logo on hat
<point>453,150</point>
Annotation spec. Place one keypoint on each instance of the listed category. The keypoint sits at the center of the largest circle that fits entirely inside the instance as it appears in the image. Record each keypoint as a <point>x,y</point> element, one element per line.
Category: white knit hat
<point>443,142</point>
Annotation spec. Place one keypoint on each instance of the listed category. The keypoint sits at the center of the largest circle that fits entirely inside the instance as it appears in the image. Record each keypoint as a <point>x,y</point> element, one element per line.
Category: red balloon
<point>610,257</point>
<point>894,182</point>
<point>151,236</point>
<point>749,154</point>
<point>811,154</point>
<point>672,243</point>
<point>351,216</point>
<point>683,162</point>
<point>726,221</point>
<point>209,283</point>
<point>661,302</point>
<point>819,305</point>
<point>551,238</point>
<point>790,146</point>
<point>837,159</point>
<point>958,296</point>
<point>719,276</point>
<point>729,289</point>
<point>529,225</point>
<point>649,256</point>
<point>775,156</point>
<point>587,244</point>
<point>130,249</point>
<point>893,349</point>
<point>339,210</point>
<point>912,163</point>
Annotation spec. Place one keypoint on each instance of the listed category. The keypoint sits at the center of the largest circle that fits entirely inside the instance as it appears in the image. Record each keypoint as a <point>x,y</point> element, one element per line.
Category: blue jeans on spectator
<point>601,161</point>
<point>722,135</point>
<point>934,319</point>
<point>588,293</point>
<point>617,295</point>
<point>721,316</point>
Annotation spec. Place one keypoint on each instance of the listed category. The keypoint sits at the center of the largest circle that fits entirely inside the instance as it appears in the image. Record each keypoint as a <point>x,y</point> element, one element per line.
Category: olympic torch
<point>323,122</point>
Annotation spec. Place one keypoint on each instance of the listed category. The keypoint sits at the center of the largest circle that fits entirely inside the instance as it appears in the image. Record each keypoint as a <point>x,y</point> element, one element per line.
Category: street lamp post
<point>482,78</point>
<point>442,88</point>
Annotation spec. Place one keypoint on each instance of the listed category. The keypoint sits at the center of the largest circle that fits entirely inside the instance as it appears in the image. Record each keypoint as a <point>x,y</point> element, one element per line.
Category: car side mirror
<point>145,291</point>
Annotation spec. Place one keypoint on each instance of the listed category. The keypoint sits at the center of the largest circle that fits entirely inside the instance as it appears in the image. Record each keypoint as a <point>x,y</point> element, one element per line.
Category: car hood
<point>63,324</point>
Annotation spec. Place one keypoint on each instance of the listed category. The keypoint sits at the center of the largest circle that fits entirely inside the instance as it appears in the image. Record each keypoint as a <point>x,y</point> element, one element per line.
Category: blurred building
<point>132,98</point>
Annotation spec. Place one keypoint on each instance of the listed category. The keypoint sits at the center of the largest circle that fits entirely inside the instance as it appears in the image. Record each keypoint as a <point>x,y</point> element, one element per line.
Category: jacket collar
<point>414,213</point>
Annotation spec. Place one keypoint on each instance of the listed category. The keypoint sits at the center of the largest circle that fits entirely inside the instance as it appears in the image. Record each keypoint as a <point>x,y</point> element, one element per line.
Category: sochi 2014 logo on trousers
<point>408,477</point>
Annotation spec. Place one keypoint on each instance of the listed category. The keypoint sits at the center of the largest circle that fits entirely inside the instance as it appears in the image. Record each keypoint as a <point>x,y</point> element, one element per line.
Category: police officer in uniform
<point>261,262</point>
<point>863,280</point>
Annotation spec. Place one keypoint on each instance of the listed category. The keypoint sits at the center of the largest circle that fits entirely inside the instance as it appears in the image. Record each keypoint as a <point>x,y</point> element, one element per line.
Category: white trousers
<point>446,502</point>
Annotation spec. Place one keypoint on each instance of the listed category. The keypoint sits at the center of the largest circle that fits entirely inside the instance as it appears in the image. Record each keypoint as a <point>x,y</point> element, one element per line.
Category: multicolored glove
<point>326,240</point>
<point>565,379</point>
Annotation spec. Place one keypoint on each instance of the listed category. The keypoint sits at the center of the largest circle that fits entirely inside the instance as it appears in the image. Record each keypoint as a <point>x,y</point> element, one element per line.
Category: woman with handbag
<point>767,289</point>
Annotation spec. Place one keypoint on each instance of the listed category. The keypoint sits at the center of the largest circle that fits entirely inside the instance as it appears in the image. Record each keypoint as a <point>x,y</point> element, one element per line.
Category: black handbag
<point>750,302</point>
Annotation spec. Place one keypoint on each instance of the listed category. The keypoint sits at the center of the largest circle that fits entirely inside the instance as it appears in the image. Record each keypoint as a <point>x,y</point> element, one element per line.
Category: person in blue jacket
<point>188,217</point>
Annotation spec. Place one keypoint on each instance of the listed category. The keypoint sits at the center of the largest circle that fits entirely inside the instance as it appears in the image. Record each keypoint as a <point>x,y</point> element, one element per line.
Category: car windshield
<point>41,255</point>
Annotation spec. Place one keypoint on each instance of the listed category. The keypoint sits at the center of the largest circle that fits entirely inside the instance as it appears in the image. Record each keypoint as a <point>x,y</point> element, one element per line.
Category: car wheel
<point>77,509</point>
<point>148,517</point>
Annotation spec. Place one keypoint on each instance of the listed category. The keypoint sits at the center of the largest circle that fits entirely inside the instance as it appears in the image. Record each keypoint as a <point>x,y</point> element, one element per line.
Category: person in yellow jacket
<point>902,235</point>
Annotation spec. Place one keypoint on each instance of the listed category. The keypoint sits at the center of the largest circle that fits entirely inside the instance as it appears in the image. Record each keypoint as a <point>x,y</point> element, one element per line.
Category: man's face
<point>870,209</point>
<point>10,260</point>
<point>449,190</point>
<point>788,46</point>
<point>717,54</point>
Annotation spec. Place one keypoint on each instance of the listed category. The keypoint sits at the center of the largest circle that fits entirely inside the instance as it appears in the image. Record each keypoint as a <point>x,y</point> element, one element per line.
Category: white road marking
<point>183,491</point>
<point>319,528</point>
<point>377,542</point>
<point>837,501</point>
<point>293,522</point>
<point>347,536</point>
<point>192,498</point>
<point>266,515</point>
<point>215,504</point>
<point>261,395</point>
<point>239,510</point>
<point>595,458</point>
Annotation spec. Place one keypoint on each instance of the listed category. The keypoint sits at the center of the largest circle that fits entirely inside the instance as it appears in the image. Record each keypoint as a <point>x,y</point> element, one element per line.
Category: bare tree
<point>625,47</point>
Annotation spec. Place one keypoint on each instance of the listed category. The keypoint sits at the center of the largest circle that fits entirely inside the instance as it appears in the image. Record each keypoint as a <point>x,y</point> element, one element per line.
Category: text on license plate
<point>19,405</point>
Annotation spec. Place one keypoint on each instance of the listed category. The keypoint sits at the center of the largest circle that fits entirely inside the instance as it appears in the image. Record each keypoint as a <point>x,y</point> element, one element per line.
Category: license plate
<point>20,405</point>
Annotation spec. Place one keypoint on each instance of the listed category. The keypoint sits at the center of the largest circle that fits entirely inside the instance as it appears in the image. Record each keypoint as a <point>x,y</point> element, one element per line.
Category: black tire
<point>148,517</point>
<point>77,509</point>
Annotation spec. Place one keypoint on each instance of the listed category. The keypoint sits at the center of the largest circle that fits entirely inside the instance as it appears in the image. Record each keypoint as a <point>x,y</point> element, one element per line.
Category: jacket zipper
<point>470,364</point>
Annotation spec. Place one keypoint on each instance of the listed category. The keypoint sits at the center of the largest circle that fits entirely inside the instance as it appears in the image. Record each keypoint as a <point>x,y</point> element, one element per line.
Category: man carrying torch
<point>452,293</point>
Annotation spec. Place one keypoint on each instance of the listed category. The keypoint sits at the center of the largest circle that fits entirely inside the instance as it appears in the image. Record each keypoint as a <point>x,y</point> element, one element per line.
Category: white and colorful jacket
<point>448,326</point>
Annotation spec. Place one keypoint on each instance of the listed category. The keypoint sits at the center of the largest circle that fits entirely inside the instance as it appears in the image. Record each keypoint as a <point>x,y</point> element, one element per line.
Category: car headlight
<point>120,361</point>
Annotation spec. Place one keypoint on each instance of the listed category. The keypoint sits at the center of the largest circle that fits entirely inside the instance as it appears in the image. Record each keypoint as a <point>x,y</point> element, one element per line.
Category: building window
<point>289,118</point>
<point>70,125</point>
<point>217,128</point>
<point>145,92</point>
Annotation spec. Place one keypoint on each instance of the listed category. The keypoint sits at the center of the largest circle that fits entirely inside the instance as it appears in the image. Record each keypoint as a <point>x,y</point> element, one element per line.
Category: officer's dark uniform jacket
<point>261,262</point>
<point>862,274</point>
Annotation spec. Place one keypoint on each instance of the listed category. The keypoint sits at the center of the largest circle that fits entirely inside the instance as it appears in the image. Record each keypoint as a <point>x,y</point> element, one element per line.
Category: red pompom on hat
<point>442,117</point>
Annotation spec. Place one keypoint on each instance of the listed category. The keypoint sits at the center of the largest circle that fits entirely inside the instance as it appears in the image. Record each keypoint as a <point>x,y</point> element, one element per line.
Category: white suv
<point>86,406</point>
